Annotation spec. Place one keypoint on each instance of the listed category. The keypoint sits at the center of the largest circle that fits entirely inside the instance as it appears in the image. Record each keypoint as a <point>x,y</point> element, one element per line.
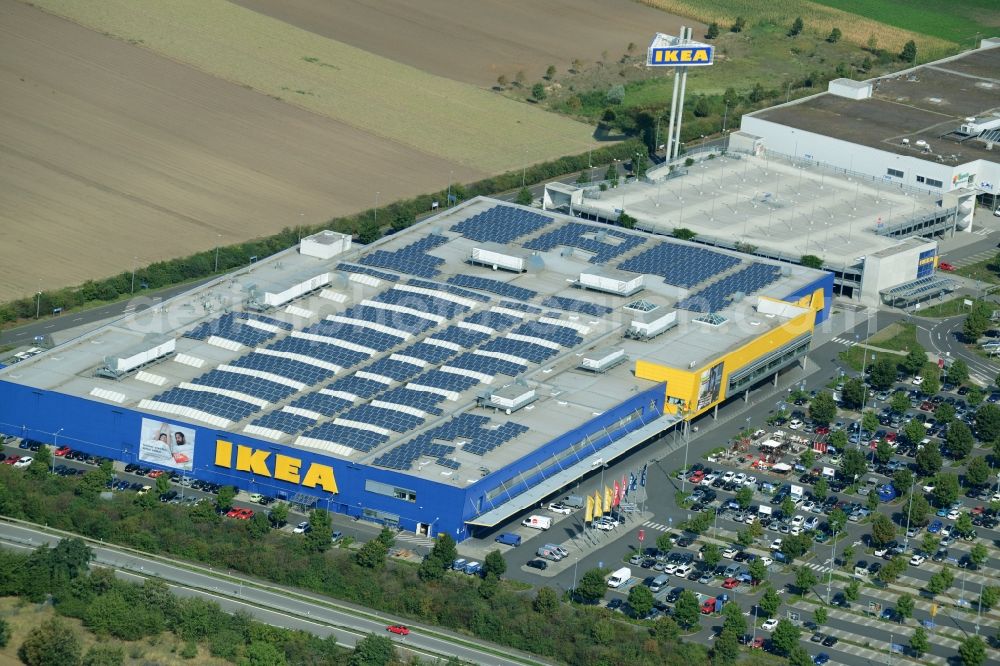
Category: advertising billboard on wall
<point>710,386</point>
<point>167,444</point>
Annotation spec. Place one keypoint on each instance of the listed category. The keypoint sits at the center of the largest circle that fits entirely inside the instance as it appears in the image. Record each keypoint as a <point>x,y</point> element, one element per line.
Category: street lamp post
<point>134,259</point>
<point>38,304</point>
<point>906,541</point>
<point>217,252</point>
<point>55,445</point>
<point>376,209</point>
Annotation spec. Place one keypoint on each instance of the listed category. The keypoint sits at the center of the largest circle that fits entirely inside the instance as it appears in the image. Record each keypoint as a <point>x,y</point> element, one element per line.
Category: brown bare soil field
<point>111,154</point>
<point>475,41</point>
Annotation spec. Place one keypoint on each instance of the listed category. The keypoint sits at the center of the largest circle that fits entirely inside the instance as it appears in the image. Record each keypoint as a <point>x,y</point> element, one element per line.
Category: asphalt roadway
<point>274,605</point>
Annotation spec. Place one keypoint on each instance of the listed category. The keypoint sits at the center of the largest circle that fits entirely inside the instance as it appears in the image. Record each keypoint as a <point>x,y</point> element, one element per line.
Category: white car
<point>812,522</point>
<point>751,519</point>
<point>795,424</point>
<point>670,568</point>
<point>808,506</point>
<point>766,560</point>
<point>917,381</point>
<point>929,488</point>
<point>603,525</point>
<point>795,530</point>
<point>879,552</point>
<point>24,462</point>
<point>709,478</point>
<point>776,544</point>
<point>996,497</point>
<point>740,478</point>
<point>770,624</point>
<point>917,560</point>
<point>301,528</point>
<point>728,476</point>
<point>751,481</point>
<point>952,515</point>
<point>730,552</point>
<point>683,571</point>
<point>558,507</point>
<point>798,520</point>
<point>946,531</point>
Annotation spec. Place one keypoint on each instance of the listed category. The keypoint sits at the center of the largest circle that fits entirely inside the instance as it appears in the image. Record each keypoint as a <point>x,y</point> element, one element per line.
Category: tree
<point>972,650</point>
<point>317,540</point>
<point>258,526</point>
<point>224,500</point>
<point>626,220</point>
<point>757,571</point>
<point>787,508</point>
<point>883,452</point>
<point>502,81</point>
<point>944,413</point>
<point>524,197</point>
<point>686,610</point>
<point>822,408</point>
<point>495,565</point>
<point>853,465</point>
<point>853,395</point>
<point>726,648</point>
<point>373,650</point>
<point>811,261</point>
<point>538,91</point>
<point>711,555</point>
<point>797,27</point>
<point>820,615</point>
<point>978,555</point>
<point>733,619</point>
<point>893,569</point>
<point>666,630</point>
<point>977,472</point>
<point>640,600</point>
<point>869,421</point>
<point>919,643</point>
<point>744,497</point>
<point>945,489</point>
<point>915,359</point>
<point>663,542</point>
<point>989,596</point>
<point>928,459</point>
<point>837,520</point>
<point>835,36</point>
<point>960,440</point>
<point>883,373</point>
<point>899,401</point>
<point>988,422</point>
<point>162,485</point>
<point>550,72</point>
<point>821,488</point>
<point>683,233</point>
<point>799,656</point>
<point>4,632</point>
<point>852,590</point>
<point>958,372</point>
<point>369,232</point>
<point>611,174</point>
<point>902,479</point>
<point>372,555</point>
<point>739,24</point>
<point>42,464</point>
<point>592,586</point>
<point>262,653</point>
<point>930,542</point>
<point>976,323</point>
<point>872,501</point>
<point>105,655</point>
<point>940,581</point>
<point>904,606</point>
<point>808,458</point>
<point>769,601</point>
<point>964,524</point>
<point>975,397</point>
<point>804,579</point>
<point>838,440</point>
<point>883,529</point>
<point>278,515</point>
<point>713,31</point>
<point>546,601</point>
<point>51,643</point>
<point>932,379</point>
<point>785,636</point>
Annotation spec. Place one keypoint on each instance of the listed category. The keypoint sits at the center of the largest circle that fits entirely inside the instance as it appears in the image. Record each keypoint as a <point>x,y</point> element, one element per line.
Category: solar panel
<point>494,286</point>
<point>678,264</point>
<point>604,243</point>
<point>365,270</point>
<point>574,305</point>
<point>212,403</point>
<point>718,295</point>
<point>501,224</point>
<point>413,259</point>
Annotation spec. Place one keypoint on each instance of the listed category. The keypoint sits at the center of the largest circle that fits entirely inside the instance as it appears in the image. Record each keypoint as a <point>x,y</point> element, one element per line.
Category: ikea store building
<point>440,380</point>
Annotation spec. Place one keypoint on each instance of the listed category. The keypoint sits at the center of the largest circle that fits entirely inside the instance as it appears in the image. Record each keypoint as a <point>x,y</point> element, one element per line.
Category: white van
<point>620,577</point>
<point>537,522</point>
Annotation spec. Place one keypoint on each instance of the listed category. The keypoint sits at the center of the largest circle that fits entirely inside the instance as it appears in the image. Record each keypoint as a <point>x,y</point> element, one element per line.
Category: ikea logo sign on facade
<point>681,55</point>
<point>277,466</point>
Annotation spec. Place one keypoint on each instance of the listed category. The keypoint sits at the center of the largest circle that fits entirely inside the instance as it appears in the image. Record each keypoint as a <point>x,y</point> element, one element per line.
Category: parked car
<point>538,564</point>
<point>302,527</point>
<point>398,629</point>
<point>770,624</point>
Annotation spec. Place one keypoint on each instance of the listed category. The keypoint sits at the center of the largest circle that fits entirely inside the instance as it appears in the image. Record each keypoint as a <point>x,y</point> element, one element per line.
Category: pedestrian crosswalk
<point>844,341</point>
<point>974,258</point>
<point>415,540</point>
<point>982,231</point>
<point>656,526</point>
<point>822,568</point>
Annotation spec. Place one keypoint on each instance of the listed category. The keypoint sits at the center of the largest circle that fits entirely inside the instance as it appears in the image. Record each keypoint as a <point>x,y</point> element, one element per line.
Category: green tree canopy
<point>835,36</point>
<point>495,565</point>
<point>686,612</point>
<point>928,459</point>
<point>538,91</point>
<point>853,395</point>
<point>904,606</point>
<point>960,440</point>
<point>883,373</point>
<point>713,31</point>
<point>899,401</point>
<point>769,601</point>
<point>546,601</point>
<point>711,555</point>
<point>958,372</point>
<point>945,489</point>
<point>739,24</point>
<point>853,464</point>
<point>524,197</point>
<point>883,529</point>
<point>592,586</point>
<point>785,636</point>
<point>794,31</point>
<point>977,472</point>
<point>640,600</point>
<point>972,651</point>
<point>804,579</point>
<point>944,413</point>
<point>919,642</point>
<point>988,422</point>
<point>822,408</point>
<point>373,650</point>
<point>915,359</point>
<point>811,261</point>
<point>52,643</point>
<point>744,497</point>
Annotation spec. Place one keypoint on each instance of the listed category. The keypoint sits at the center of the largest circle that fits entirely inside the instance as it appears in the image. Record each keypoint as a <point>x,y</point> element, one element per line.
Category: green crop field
<point>959,22</point>
<point>441,117</point>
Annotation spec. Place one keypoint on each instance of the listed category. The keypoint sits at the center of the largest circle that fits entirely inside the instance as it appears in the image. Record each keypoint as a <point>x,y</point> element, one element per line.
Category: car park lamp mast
<point>906,540</point>
<point>55,445</point>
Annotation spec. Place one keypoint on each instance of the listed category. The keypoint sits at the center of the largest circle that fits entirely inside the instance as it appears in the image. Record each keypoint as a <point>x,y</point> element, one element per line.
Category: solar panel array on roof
<point>718,295</point>
<point>339,356</point>
<point>520,349</point>
<point>355,438</point>
<point>359,386</point>
<point>352,333</point>
<point>422,302</point>
<point>523,307</point>
<point>257,387</point>
<point>451,289</point>
<point>233,326</point>
<point>501,224</point>
<point>493,286</point>
<point>212,403</point>
<point>447,381</point>
<point>422,400</point>
<point>495,320</point>
<point>680,265</point>
<point>574,305</point>
<point>365,270</point>
<point>413,259</point>
<point>462,337</point>
<point>472,427</point>
<point>296,370</point>
<point>401,321</point>
<point>430,353</point>
<point>487,365</point>
<point>285,422</point>
<point>321,403</point>
<point>398,370</point>
<point>390,419</point>
<point>604,244</point>
<point>564,335</point>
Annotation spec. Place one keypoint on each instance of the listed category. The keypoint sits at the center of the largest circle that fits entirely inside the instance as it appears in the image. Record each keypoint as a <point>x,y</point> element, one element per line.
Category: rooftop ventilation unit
<point>611,281</point>
<point>499,257</point>
<point>116,367</point>
<point>602,360</point>
<point>648,325</point>
<point>509,398</point>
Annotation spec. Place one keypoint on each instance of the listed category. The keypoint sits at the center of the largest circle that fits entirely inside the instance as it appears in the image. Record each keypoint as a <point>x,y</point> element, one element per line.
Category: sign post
<point>642,537</point>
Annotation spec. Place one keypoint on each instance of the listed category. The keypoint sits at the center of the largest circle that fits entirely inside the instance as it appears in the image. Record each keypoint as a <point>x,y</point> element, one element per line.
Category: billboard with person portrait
<point>167,444</point>
<point>710,386</point>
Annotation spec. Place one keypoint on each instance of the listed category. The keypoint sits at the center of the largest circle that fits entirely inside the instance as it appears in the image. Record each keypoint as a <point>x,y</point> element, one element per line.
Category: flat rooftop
<point>770,203</point>
<point>921,104</point>
<point>385,361</point>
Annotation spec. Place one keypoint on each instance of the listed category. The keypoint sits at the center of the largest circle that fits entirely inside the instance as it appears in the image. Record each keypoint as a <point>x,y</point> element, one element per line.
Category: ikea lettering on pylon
<point>671,51</point>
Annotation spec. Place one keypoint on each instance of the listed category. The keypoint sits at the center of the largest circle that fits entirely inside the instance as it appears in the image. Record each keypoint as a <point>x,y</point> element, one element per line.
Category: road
<point>275,605</point>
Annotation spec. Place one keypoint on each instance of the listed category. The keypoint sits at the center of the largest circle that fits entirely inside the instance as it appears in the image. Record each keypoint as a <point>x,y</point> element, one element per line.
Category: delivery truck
<point>537,522</point>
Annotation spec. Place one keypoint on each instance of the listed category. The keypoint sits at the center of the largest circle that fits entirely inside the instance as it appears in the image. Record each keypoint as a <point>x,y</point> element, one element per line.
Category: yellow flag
<point>590,510</point>
<point>598,511</point>
<point>608,495</point>
<point>934,609</point>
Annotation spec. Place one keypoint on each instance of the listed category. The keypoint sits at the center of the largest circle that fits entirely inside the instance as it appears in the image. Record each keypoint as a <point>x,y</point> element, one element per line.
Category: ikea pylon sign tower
<point>679,53</point>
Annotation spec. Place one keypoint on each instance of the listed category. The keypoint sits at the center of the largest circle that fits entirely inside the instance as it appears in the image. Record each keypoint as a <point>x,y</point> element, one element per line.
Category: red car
<point>823,430</point>
<point>234,512</point>
<point>11,460</point>
<point>245,514</point>
<point>697,477</point>
<point>155,474</point>
<point>927,406</point>
<point>890,437</point>
<point>730,583</point>
<point>62,451</point>
<point>757,643</point>
<point>708,607</point>
<point>945,266</point>
<point>398,629</point>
